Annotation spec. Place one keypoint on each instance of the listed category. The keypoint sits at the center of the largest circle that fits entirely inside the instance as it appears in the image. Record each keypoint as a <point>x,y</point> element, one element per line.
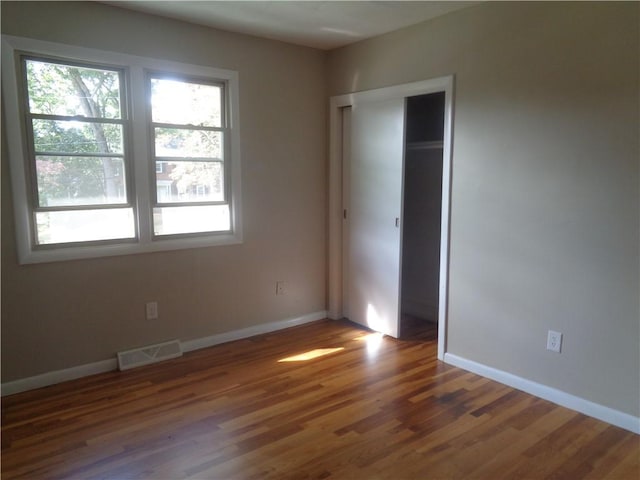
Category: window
<point>76,132</point>
<point>188,123</point>
<point>113,154</point>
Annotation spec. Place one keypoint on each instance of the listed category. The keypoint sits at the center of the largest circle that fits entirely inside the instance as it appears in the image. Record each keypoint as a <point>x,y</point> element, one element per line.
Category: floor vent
<point>149,354</point>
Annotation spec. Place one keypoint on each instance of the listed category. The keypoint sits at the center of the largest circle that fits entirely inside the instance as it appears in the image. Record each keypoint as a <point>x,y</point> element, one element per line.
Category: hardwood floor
<point>365,407</point>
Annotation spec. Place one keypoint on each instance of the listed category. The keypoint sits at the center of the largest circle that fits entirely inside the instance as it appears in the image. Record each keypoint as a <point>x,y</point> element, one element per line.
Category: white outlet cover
<point>152,310</point>
<point>554,341</point>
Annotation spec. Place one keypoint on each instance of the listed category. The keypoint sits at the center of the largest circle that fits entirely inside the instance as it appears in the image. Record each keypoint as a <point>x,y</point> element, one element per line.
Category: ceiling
<point>324,25</point>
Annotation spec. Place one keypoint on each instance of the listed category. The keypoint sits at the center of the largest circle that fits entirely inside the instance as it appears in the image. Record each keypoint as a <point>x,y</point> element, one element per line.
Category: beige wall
<point>65,314</point>
<point>545,216</point>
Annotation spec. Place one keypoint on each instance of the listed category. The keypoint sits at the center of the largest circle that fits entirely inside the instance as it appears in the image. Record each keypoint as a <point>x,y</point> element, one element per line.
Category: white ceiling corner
<point>318,24</point>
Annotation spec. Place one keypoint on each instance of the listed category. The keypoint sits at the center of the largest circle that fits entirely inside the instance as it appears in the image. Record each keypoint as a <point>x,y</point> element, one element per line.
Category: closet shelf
<point>425,145</point>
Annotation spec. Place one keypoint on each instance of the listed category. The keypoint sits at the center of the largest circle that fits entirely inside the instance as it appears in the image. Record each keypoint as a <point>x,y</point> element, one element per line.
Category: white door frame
<point>335,286</point>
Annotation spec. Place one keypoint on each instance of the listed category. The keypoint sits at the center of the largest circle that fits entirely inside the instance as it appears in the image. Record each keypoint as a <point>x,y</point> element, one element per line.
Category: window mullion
<point>72,208</point>
<point>142,154</point>
<point>188,126</point>
<point>76,118</point>
<point>81,154</point>
<point>189,159</point>
<point>192,203</point>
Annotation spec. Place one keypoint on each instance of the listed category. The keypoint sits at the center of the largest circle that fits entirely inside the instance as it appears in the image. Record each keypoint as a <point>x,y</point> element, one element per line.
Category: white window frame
<point>143,185</point>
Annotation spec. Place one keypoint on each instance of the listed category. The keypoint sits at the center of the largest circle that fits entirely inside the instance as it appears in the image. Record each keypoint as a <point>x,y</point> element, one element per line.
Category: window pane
<point>84,225</point>
<point>189,182</point>
<point>178,142</point>
<point>80,181</point>
<point>186,103</point>
<point>58,136</point>
<point>67,90</point>
<point>174,220</point>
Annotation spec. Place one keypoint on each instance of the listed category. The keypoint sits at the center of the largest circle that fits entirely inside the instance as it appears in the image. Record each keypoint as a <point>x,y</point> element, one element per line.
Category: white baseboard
<point>606,414</point>
<point>198,343</point>
<point>59,376</point>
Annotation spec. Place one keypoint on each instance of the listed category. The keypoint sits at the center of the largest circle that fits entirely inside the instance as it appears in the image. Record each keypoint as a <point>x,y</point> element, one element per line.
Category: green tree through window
<point>62,98</point>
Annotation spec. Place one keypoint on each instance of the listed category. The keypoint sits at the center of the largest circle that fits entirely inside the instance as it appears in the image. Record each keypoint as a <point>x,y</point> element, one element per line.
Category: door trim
<point>336,104</point>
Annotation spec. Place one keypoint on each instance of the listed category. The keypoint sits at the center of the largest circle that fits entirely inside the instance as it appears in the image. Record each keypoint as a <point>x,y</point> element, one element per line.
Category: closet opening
<point>422,210</point>
<point>389,203</point>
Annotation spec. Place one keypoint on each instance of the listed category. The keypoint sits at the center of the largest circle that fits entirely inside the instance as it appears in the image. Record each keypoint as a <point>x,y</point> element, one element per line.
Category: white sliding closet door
<point>374,213</point>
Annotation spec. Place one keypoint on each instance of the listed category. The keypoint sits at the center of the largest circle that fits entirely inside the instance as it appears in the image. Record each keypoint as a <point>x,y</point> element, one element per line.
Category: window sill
<point>75,252</point>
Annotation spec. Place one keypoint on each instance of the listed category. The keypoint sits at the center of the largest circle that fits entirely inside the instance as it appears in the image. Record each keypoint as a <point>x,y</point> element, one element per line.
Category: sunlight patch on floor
<point>311,354</point>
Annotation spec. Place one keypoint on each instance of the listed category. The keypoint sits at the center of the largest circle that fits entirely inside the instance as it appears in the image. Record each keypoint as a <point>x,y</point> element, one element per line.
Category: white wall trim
<point>59,376</point>
<point>217,339</point>
<point>595,410</point>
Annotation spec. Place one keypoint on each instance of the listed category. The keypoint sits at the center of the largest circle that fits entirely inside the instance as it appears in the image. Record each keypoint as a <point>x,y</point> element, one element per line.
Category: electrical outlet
<point>280,288</point>
<point>554,341</point>
<point>152,310</point>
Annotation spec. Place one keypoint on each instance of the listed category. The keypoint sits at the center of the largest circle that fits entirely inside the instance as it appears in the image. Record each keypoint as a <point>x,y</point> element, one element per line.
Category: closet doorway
<point>421,215</point>
<point>389,208</point>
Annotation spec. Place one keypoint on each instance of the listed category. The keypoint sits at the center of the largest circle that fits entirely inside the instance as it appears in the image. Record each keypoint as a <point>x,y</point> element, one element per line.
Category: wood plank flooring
<point>365,407</point>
